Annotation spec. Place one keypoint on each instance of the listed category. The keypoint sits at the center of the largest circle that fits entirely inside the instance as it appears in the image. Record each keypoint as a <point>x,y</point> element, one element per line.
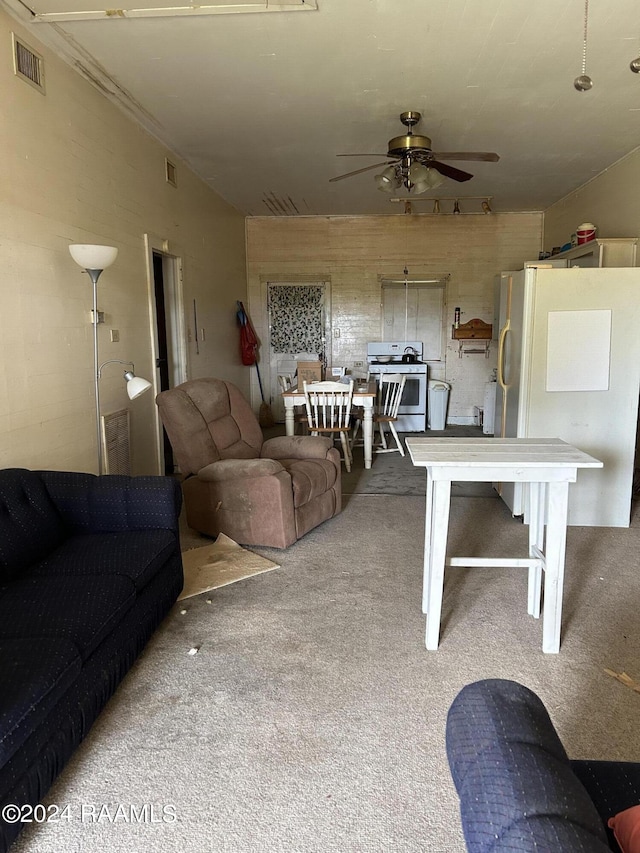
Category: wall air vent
<point>171,172</point>
<point>27,64</point>
<point>116,442</point>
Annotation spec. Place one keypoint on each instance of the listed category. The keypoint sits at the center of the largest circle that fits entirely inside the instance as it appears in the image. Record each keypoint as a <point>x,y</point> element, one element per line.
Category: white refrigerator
<point>569,368</point>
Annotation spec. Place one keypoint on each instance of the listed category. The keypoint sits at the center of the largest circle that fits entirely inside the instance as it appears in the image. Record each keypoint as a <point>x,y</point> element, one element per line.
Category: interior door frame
<point>172,269</point>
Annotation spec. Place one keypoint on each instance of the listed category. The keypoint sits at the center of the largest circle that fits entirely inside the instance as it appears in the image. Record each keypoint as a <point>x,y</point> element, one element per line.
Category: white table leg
<point>427,543</point>
<point>367,435</point>
<point>289,420</point>
<point>439,526</point>
<point>554,567</point>
<point>536,544</point>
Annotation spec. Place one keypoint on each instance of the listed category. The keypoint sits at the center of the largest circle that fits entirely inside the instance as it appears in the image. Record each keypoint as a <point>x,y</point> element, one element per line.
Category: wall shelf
<point>473,337</point>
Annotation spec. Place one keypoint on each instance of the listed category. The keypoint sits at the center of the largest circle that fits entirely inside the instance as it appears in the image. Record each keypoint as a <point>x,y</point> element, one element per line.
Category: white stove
<point>403,357</point>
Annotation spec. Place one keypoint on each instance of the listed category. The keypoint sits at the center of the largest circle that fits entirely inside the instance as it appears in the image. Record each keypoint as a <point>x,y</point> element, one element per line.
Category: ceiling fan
<point>413,165</point>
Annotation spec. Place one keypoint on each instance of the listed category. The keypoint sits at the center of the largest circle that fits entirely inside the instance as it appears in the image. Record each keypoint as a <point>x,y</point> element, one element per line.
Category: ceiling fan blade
<point>358,171</point>
<point>450,171</point>
<point>362,155</point>
<point>487,156</point>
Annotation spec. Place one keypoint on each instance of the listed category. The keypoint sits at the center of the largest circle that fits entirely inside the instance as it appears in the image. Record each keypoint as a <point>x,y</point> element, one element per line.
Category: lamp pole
<point>94,275</point>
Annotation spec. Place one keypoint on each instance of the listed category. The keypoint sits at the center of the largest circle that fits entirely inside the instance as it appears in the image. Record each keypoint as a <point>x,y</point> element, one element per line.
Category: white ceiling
<point>260,104</point>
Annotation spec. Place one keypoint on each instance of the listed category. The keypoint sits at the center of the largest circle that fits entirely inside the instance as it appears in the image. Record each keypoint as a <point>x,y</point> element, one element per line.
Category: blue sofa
<point>518,789</point>
<point>89,567</point>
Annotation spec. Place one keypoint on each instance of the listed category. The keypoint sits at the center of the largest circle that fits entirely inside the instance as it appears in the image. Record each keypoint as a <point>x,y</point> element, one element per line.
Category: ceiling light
<point>634,65</point>
<point>423,178</point>
<point>387,181</point>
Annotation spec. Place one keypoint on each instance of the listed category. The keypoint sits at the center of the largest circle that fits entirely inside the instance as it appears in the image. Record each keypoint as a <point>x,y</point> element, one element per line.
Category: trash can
<point>438,402</point>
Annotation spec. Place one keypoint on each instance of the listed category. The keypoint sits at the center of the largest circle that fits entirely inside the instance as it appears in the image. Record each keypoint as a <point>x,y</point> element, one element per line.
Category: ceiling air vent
<point>28,64</point>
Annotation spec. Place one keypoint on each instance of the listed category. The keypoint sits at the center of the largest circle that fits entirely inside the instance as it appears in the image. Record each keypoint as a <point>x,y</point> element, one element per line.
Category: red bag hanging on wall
<point>248,339</point>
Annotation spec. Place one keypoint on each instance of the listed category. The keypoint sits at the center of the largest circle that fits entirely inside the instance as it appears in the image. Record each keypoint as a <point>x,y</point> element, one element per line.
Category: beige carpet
<point>221,563</point>
<point>312,719</point>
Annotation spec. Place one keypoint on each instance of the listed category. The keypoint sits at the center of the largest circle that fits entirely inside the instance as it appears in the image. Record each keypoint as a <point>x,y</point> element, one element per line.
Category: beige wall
<point>353,252</point>
<point>611,201</point>
<point>76,169</point>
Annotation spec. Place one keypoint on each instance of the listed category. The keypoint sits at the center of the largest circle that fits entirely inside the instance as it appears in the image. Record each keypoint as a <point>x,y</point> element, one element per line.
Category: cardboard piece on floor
<point>221,563</point>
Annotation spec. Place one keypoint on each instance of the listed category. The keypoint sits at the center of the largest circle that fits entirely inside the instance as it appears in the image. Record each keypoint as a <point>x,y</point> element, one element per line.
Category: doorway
<point>298,316</point>
<point>168,338</point>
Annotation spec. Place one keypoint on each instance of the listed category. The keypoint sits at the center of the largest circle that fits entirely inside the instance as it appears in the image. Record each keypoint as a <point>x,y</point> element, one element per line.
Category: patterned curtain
<point>296,318</point>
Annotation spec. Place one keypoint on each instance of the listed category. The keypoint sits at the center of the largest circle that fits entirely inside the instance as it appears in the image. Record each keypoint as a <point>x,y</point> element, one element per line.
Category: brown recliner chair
<point>257,492</point>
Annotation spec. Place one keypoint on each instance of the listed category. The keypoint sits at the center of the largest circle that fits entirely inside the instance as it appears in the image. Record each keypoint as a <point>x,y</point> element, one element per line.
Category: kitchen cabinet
<point>602,252</point>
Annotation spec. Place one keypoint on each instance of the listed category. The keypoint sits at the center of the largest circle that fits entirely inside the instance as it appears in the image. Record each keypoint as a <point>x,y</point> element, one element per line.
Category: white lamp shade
<point>91,257</point>
<point>136,385</point>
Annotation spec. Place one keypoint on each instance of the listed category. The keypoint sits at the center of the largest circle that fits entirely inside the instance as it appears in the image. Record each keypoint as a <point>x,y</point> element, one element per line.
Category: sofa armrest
<point>239,469</point>
<point>296,447</point>
<point>114,503</point>
<point>516,786</point>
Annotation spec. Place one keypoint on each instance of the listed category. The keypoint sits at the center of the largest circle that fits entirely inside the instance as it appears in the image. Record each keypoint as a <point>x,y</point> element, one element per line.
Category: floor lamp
<point>93,260</point>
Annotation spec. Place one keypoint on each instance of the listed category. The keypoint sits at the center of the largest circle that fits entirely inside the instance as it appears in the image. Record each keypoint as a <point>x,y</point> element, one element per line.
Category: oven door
<point>414,396</point>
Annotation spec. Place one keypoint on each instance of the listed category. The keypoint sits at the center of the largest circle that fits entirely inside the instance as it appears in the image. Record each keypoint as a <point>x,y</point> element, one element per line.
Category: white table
<point>548,465</point>
<point>364,394</point>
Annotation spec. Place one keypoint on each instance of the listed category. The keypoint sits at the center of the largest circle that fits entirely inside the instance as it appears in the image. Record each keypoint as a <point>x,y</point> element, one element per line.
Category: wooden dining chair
<point>328,407</point>
<point>286,383</point>
<point>390,390</point>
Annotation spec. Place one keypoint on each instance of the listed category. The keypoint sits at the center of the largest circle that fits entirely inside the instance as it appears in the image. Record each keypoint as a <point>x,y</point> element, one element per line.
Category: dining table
<point>546,466</point>
<point>364,395</point>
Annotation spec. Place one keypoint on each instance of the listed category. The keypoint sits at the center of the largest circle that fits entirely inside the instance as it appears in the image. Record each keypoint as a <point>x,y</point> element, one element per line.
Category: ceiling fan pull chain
<point>634,65</point>
<point>583,83</point>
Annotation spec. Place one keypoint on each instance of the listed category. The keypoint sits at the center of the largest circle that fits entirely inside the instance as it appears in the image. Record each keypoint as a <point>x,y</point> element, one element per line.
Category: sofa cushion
<point>82,609</point>
<point>30,525</point>
<point>309,478</point>
<point>138,555</point>
<point>35,673</point>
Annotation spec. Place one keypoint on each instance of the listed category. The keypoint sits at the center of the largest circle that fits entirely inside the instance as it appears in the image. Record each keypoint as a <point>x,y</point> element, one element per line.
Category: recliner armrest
<point>296,447</point>
<point>239,469</point>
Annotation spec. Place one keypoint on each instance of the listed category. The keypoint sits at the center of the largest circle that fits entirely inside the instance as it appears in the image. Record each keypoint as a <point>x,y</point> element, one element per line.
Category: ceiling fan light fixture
<point>424,178</point>
<point>418,179</point>
<point>435,179</point>
<point>634,65</point>
<point>387,181</point>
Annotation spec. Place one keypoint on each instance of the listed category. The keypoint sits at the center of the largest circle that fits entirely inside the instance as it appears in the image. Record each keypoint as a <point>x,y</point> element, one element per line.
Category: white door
<point>298,313</point>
